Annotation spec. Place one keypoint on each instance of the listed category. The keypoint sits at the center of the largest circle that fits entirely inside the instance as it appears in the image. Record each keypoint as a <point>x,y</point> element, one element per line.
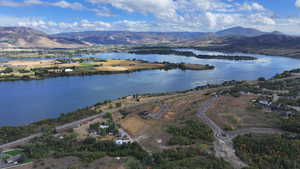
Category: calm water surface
<point>23,102</point>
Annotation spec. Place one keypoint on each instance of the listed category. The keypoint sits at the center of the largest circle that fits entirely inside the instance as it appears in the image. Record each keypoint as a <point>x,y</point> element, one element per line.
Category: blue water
<point>23,102</point>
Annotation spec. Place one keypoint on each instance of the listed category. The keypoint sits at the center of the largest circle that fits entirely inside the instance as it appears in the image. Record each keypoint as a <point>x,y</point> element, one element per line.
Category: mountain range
<point>30,38</point>
<point>125,37</point>
<point>236,37</point>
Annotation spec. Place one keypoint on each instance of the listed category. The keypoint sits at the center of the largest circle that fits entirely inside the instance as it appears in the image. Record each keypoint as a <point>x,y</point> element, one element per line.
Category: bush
<point>268,151</point>
<point>133,163</point>
<point>189,133</point>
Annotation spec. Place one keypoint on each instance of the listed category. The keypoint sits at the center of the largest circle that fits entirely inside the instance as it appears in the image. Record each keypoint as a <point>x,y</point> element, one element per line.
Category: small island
<point>41,69</point>
<point>169,51</point>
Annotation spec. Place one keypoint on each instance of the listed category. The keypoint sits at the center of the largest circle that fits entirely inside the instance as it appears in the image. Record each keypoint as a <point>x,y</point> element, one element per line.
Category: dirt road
<point>223,145</point>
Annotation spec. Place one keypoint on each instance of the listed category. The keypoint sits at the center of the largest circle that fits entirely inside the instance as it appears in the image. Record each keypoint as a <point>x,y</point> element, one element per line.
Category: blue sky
<point>54,16</point>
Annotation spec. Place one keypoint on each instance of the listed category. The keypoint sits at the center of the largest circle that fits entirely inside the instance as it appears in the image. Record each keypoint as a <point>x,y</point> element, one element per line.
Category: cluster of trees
<point>187,158</point>
<point>287,101</point>
<point>291,124</point>
<point>91,149</point>
<point>112,128</point>
<point>7,70</point>
<point>81,60</point>
<point>88,150</point>
<point>268,151</point>
<point>190,133</point>
<point>286,74</point>
<point>273,85</point>
<point>169,51</point>
<point>238,88</point>
<point>9,133</point>
<point>162,51</point>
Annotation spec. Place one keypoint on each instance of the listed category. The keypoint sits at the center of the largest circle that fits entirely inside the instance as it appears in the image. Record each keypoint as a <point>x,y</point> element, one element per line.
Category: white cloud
<point>159,8</point>
<point>60,4</point>
<point>33,2</point>
<point>251,6</point>
<point>169,15</point>
<point>297,3</point>
<point>261,19</point>
<point>65,4</point>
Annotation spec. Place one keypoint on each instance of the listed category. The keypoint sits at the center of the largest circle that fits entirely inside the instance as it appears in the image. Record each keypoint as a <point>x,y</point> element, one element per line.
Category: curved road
<point>223,144</point>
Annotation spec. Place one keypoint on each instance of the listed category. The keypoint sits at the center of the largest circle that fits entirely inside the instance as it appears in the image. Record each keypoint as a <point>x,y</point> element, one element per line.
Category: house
<point>123,134</point>
<point>144,113</point>
<point>121,142</point>
<point>60,136</point>
<point>15,159</point>
<point>68,70</point>
<point>103,126</point>
<point>93,132</point>
<point>264,102</point>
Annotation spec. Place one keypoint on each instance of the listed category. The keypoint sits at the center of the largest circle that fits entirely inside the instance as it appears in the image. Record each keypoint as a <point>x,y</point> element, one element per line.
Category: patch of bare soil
<point>232,113</point>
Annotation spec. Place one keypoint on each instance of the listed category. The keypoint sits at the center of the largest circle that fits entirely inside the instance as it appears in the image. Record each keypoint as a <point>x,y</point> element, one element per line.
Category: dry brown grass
<point>170,116</point>
<point>109,65</point>
<point>235,113</point>
<point>151,133</point>
<point>134,125</point>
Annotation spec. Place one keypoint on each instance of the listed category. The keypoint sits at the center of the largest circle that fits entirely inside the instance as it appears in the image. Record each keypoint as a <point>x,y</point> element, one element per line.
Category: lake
<point>23,102</point>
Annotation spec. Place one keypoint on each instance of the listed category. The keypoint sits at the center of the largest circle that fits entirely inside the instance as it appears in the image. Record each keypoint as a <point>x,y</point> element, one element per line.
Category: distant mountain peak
<point>240,31</point>
<point>277,33</point>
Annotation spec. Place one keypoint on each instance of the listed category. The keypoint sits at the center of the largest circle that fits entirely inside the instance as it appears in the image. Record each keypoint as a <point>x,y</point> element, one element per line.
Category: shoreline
<point>39,70</point>
<point>65,121</point>
<point>34,129</point>
<point>171,51</point>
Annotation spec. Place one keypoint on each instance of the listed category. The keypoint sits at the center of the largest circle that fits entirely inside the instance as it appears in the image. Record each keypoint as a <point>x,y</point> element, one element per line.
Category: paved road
<point>218,131</point>
<point>76,123</point>
<point>59,128</point>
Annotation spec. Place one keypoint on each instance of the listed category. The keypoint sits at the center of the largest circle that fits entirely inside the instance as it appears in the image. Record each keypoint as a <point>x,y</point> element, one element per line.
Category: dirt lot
<point>235,113</point>
<point>150,131</point>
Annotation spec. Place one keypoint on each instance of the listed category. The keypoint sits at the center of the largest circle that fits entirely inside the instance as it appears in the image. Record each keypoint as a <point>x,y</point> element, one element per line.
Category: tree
<point>8,70</point>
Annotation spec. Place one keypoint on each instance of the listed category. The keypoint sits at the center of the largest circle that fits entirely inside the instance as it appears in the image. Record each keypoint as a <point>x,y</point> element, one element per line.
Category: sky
<point>54,16</point>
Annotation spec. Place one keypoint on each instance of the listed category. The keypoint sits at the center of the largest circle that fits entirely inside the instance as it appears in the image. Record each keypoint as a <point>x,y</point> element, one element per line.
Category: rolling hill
<point>30,38</point>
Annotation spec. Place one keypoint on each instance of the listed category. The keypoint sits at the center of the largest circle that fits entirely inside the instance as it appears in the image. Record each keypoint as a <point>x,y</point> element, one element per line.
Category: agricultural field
<point>34,70</point>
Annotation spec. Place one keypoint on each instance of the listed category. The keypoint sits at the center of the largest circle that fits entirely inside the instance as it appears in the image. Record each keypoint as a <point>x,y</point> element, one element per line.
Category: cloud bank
<point>168,15</point>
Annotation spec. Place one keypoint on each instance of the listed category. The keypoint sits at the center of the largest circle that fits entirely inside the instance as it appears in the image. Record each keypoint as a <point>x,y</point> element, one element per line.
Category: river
<point>23,102</point>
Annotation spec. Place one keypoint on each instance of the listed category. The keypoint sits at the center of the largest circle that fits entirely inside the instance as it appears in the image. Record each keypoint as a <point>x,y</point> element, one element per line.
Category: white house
<point>265,102</point>
<point>120,142</point>
<point>103,126</point>
<point>68,70</point>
